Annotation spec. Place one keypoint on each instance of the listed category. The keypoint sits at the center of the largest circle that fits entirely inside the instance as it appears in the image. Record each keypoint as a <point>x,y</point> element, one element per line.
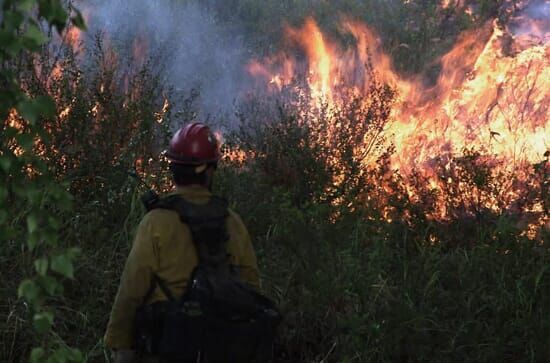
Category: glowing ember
<point>160,115</point>
<point>73,37</point>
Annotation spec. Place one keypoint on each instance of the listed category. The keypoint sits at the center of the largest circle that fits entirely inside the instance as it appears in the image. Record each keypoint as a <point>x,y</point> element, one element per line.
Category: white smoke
<point>531,21</point>
<point>539,9</point>
<point>190,49</point>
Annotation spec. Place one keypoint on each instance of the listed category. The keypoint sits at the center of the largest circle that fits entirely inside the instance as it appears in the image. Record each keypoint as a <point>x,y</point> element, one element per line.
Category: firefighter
<point>163,246</point>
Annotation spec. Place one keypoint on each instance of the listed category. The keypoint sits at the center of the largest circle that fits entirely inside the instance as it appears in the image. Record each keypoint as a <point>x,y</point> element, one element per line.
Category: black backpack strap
<point>207,223</point>
<point>157,281</point>
<point>189,213</point>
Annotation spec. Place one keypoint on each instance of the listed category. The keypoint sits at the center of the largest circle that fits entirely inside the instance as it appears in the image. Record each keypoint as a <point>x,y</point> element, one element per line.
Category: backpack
<point>219,318</point>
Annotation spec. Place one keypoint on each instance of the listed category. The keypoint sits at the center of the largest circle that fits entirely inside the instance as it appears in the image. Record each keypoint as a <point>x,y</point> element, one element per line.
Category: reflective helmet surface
<point>193,144</point>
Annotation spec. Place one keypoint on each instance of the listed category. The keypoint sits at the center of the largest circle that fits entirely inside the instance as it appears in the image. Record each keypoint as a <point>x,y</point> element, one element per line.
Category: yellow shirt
<point>163,246</point>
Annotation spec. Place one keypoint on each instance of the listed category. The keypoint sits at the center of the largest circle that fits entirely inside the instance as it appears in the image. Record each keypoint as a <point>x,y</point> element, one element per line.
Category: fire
<point>491,94</point>
<point>482,97</point>
<point>322,62</point>
<point>500,103</point>
<point>320,57</point>
<point>73,37</point>
<point>160,116</point>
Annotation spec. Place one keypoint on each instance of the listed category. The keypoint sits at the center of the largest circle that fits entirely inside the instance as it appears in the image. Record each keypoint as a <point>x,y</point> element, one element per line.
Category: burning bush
<point>110,119</point>
<point>318,154</point>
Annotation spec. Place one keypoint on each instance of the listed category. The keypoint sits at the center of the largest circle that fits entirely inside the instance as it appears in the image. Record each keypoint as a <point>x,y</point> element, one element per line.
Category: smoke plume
<point>184,43</point>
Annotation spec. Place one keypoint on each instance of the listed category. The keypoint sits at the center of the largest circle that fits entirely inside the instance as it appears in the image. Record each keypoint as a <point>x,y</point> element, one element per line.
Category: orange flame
<point>489,95</point>
<point>483,96</point>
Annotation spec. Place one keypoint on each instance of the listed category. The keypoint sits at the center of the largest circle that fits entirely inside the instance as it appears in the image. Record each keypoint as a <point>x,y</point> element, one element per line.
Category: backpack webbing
<point>207,225</point>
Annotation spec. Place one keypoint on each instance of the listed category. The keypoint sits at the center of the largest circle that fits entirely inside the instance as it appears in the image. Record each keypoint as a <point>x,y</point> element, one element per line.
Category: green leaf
<point>45,105</point>
<point>50,284</point>
<point>9,132</point>
<point>32,223</point>
<point>41,266</point>
<point>32,241</point>
<point>61,355</point>
<point>12,20</point>
<point>53,222</point>
<point>26,5</point>
<point>54,12</point>
<point>28,290</point>
<point>37,355</point>
<point>43,321</point>
<point>10,43</point>
<point>33,37</point>
<point>76,355</point>
<point>31,109</point>
<point>5,163</point>
<point>73,252</point>
<point>26,141</point>
<point>33,194</point>
<point>3,216</point>
<point>28,111</point>
<point>63,265</point>
<point>78,20</point>
<point>65,354</point>
<point>49,237</point>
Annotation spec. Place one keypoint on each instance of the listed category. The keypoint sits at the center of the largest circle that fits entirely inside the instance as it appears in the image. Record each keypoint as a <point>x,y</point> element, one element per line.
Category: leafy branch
<point>27,182</point>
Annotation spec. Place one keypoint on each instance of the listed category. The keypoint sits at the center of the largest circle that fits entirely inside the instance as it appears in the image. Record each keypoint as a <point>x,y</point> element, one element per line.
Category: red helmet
<point>193,144</point>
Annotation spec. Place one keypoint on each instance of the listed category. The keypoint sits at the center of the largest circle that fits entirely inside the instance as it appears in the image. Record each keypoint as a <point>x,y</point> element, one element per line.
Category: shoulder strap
<point>216,208</point>
<point>165,290</point>
<point>207,223</point>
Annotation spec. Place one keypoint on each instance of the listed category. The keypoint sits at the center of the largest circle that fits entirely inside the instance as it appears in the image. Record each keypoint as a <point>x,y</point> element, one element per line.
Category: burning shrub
<point>111,117</point>
<point>317,154</point>
<point>476,199</point>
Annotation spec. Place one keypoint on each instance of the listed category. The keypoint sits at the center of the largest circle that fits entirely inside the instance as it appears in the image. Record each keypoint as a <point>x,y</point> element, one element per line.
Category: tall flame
<point>485,94</point>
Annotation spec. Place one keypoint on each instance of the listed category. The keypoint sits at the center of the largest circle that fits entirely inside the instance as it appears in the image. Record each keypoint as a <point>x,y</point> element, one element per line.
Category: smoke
<point>184,43</point>
<point>539,9</point>
<point>192,50</point>
<point>532,21</point>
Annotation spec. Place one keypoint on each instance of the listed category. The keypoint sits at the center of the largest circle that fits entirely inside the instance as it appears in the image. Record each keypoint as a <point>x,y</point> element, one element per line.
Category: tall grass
<point>371,274</point>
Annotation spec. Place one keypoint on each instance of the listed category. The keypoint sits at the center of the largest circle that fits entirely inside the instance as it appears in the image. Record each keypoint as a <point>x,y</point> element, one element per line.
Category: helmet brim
<point>182,160</point>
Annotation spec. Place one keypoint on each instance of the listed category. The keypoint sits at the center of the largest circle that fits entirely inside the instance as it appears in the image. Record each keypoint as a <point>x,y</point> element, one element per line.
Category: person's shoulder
<point>159,216</point>
<point>235,217</point>
<point>236,224</point>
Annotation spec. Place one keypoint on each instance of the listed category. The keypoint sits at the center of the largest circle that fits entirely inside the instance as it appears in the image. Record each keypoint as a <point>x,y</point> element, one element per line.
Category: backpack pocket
<point>183,331</point>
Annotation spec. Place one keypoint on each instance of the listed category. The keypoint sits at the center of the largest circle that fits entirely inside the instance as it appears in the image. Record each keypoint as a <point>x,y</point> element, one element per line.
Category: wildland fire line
<point>491,94</point>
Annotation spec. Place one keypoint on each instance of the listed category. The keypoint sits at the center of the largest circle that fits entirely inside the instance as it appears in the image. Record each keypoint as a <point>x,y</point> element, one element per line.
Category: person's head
<point>193,154</point>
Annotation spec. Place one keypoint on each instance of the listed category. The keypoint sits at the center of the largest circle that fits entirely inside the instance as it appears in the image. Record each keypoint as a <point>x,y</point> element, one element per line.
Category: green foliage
<point>375,272</point>
<point>360,290</point>
<point>29,188</point>
<point>316,155</point>
<point>96,146</point>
